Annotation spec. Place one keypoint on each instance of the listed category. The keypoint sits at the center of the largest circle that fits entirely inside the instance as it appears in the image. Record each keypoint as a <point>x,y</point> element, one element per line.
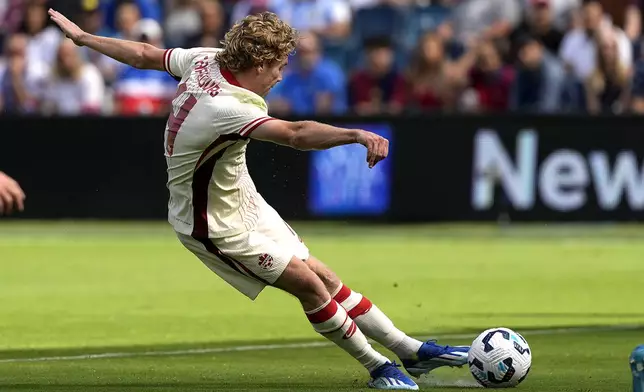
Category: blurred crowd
<point>355,56</point>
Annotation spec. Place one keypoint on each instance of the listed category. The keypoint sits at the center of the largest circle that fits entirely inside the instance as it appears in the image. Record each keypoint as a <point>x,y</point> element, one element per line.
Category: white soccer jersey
<point>211,192</point>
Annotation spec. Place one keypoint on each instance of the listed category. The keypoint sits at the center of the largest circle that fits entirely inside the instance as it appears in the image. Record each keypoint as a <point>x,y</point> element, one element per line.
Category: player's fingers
<point>58,15</point>
<point>379,152</point>
<point>369,153</point>
<point>18,197</point>
<point>7,202</point>
<point>374,155</point>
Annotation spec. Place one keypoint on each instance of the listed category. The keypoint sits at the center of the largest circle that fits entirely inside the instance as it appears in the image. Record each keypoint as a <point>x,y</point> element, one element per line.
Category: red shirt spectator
<point>377,88</point>
<point>491,80</point>
<point>433,81</point>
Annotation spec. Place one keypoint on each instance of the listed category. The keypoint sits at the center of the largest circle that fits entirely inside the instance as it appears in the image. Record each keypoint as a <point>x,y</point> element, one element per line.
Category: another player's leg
<point>332,321</point>
<point>417,357</point>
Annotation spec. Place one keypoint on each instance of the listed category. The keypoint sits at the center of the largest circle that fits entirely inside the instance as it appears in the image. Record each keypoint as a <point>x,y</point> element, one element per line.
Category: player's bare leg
<point>332,321</point>
<point>418,357</point>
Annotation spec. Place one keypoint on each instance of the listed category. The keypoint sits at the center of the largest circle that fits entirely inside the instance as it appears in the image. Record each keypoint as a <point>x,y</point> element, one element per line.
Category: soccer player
<point>216,210</point>
<point>11,195</point>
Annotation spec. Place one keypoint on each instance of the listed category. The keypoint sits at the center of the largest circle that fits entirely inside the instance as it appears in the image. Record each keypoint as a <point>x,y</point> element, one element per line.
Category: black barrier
<point>441,168</point>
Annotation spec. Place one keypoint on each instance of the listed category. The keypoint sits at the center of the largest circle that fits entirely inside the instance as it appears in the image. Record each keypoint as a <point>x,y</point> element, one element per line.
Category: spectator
<point>148,9</point>
<point>358,4</point>
<point>91,20</point>
<point>248,7</point>
<point>540,23</point>
<point>75,87</point>
<point>144,92</point>
<point>633,19</point>
<point>43,39</point>
<point>314,85</point>
<point>212,26</point>
<point>127,16</point>
<point>564,13</point>
<point>637,92</point>
<point>490,80</point>
<point>427,81</point>
<point>539,83</point>
<point>378,88</point>
<point>183,22</point>
<point>607,85</point>
<point>11,14</point>
<point>484,19</point>
<point>330,19</point>
<point>579,49</point>
<point>21,81</point>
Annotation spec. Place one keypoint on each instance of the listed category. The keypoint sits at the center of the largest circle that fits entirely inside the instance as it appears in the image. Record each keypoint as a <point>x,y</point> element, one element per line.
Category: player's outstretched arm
<point>11,195</point>
<point>136,54</point>
<point>311,135</point>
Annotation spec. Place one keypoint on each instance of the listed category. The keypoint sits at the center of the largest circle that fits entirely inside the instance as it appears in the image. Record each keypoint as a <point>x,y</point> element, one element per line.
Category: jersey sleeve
<point>177,61</point>
<point>243,119</point>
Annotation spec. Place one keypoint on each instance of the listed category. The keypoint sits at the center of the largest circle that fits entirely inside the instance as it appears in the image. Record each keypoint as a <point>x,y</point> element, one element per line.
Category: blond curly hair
<point>256,40</point>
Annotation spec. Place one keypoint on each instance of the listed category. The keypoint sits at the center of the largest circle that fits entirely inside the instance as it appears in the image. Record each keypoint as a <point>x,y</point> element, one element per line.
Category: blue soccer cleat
<point>636,361</point>
<point>389,377</point>
<point>431,356</point>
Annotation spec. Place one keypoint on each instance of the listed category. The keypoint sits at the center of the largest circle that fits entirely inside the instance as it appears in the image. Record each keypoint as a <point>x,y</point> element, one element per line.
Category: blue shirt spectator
<point>328,18</point>
<point>313,86</point>
<point>21,81</point>
<point>540,79</point>
<point>149,9</point>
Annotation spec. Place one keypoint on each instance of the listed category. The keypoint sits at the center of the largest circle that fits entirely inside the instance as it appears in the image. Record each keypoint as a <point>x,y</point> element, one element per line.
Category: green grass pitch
<point>70,293</point>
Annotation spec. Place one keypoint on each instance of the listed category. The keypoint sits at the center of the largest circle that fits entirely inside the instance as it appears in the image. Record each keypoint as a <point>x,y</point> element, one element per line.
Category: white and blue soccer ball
<point>500,358</point>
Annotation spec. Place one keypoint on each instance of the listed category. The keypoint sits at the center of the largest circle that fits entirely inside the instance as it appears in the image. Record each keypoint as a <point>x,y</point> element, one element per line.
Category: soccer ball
<point>500,358</point>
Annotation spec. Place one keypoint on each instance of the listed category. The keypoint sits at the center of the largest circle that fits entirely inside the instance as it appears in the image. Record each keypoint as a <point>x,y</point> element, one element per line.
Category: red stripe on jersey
<point>323,314</point>
<point>254,126</point>
<point>176,121</point>
<point>343,294</point>
<point>200,181</point>
<point>230,78</point>
<point>363,307</point>
<point>166,61</point>
<point>250,124</point>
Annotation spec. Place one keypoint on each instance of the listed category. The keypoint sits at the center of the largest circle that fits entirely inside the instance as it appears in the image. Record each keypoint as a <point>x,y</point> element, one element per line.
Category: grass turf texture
<point>69,289</point>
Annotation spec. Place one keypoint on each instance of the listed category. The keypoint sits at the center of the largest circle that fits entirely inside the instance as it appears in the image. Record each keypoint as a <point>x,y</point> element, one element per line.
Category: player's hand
<point>11,195</point>
<point>377,147</point>
<point>71,30</point>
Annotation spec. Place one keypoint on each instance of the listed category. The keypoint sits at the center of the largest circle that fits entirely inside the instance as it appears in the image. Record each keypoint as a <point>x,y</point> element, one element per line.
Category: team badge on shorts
<point>266,261</point>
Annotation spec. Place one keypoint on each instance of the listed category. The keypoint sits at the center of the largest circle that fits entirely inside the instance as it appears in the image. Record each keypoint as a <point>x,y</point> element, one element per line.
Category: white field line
<point>263,347</point>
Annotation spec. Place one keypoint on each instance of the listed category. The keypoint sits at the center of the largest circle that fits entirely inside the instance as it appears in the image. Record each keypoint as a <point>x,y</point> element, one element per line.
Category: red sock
<point>375,324</point>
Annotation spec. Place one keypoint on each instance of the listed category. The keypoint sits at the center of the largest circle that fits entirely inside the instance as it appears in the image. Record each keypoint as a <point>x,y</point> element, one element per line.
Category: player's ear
<point>260,69</point>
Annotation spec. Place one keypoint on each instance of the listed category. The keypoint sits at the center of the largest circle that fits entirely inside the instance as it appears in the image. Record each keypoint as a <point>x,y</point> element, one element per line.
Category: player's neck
<point>247,81</point>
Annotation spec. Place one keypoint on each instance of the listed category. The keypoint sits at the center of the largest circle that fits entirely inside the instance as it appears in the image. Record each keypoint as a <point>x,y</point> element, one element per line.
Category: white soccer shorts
<point>254,259</point>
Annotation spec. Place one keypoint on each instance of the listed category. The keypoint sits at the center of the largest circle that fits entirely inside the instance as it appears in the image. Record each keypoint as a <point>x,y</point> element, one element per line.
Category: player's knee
<point>299,280</point>
<point>328,277</point>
